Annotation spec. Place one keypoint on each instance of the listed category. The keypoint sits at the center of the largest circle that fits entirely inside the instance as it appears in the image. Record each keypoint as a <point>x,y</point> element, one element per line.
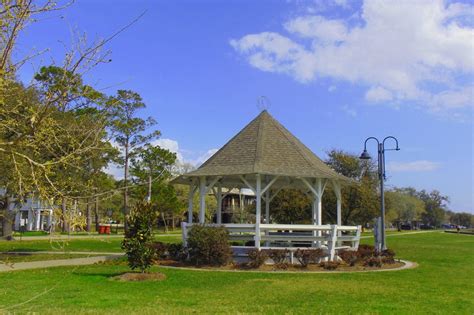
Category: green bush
<point>257,258</point>
<point>138,239</point>
<point>350,257</point>
<point>177,252</point>
<point>279,257</point>
<point>308,256</point>
<point>388,256</point>
<point>329,265</point>
<point>160,250</point>
<point>365,251</point>
<point>209,245</point>
<point>374,261</point>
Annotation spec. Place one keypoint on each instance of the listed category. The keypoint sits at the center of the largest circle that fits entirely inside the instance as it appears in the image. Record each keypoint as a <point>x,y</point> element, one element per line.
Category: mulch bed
<point>296,268</point>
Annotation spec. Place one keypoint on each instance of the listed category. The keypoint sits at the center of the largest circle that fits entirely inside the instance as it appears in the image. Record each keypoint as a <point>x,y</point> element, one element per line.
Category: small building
<point>30,214</point>
<point>265,158</point>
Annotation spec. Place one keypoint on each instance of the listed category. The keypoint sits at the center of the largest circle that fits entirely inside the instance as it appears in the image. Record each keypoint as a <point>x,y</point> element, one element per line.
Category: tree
<point>139,237</point>
<point>360,202</point>
<point>291,206</point>
<point>39,134</point>
<point>129,130</point>
<point>403,207</point>
<point>435,207</point>
<point>153,164</point>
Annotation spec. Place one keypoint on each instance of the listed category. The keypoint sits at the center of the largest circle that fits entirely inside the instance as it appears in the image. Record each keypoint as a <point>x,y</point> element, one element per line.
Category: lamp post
<point>381,172</point>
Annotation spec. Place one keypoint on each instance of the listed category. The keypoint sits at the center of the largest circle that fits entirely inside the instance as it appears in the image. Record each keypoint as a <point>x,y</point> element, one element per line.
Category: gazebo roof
<point>264,147</point>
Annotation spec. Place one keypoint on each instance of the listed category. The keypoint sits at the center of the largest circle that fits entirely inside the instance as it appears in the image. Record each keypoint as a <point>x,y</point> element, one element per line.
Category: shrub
<point>350,257</point>
<point>365,251</point>
<point>209,245</point>
<point>329,265</point>
<point>257,258</point>
<point>138,239</point>
<point>373,261</point>
<point>388,256</point>
<point>159,250</point>
<point>279,257</point>
<point>177,252</point>
<point>308,256</point>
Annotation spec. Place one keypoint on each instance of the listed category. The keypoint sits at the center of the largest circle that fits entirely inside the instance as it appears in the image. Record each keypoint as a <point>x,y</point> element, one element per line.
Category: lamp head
<point>365,155</point>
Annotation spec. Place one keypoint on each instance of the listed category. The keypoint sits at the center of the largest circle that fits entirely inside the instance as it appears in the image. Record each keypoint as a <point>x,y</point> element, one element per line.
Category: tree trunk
<point>125,180</point>
<point>96,214</point>
<point>164,222</point>
<point>149,188</point>
<point>7,222</point>
<point>64,219</point>
<point>88,215</point>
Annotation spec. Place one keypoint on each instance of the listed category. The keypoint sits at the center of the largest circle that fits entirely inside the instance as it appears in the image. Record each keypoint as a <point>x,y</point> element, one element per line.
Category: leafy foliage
<point>209,245</point>
<point>329,265</point>
<point>308,256</point>
<point>138,241</point>
<point>279,257</point>
<point>257,258</point>
<point>350,257</point>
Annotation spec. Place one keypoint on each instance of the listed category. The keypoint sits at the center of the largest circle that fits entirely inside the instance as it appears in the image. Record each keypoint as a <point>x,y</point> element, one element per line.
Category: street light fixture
<point>381,173</point>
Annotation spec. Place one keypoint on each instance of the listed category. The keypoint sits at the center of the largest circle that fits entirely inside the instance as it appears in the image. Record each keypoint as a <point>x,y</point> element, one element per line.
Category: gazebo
<point>266,158</point>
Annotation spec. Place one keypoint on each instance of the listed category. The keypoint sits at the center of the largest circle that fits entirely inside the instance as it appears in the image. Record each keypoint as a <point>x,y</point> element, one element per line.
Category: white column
<point>192,189</point>
<point>219,203</point>
<point>258,211</point>
<point>319,189</point>
<point>38,220</point>
<point>337,191</point>
<point>50,219</point>
<point>202,199</point>
<point>267,206</point>
<point>18,220</point>
<point>30,224</point>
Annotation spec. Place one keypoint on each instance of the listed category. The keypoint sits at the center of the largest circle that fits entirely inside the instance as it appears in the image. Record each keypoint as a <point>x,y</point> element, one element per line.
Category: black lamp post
<point>381,172</point>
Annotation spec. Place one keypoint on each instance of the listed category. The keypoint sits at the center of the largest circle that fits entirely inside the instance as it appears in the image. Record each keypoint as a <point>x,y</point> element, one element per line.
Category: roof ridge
<point>259,142</point>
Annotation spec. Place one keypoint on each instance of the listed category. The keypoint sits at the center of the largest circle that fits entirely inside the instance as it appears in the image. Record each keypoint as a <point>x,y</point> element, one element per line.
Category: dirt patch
<point>138,276</point>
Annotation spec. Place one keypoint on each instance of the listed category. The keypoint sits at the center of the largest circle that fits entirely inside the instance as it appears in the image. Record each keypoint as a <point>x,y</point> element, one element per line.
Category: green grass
<point>443,283</point>
<point>96,244</point>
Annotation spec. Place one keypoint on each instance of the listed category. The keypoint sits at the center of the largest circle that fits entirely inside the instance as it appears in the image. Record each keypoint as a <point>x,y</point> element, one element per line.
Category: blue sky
<point>334,73</point>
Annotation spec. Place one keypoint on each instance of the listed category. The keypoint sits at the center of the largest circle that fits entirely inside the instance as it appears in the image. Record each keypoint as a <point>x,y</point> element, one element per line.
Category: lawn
<point>443,283</point>
<point>84,245</point>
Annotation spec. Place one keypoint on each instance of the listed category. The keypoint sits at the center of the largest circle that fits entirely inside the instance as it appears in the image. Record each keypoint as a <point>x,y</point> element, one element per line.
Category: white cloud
<point>378,94</point>
<point>414,166</point>
<point>171,145</point>
<point>332,88</point>
<point>349,111</point>
<point>418,51</point>
<point>182,156</point>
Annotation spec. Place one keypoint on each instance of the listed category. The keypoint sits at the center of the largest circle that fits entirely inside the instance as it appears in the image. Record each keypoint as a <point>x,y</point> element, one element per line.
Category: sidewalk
<point>67,237</point>
<point>56,263</point>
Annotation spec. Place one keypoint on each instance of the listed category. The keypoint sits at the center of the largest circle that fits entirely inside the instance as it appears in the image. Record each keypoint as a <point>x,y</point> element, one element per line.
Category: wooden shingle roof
<point>265,147</point>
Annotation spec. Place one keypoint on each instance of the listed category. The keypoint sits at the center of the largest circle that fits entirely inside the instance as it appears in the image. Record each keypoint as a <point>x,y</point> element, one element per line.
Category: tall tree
<point>403,207</point>
<point>130,131</point>
<point>359,202</point>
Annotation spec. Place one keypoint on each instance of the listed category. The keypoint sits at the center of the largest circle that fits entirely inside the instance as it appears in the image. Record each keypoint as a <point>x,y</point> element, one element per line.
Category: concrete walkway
<point>61,237</point>
<point>404,233</point>
<point>57,262</point>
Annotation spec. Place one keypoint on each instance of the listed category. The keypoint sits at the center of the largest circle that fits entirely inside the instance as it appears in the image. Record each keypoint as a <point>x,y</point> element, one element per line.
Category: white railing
<point>331,237</point>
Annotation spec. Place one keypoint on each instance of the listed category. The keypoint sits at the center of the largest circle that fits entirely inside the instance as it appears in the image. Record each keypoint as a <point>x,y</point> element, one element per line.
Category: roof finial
<point>263,103</point>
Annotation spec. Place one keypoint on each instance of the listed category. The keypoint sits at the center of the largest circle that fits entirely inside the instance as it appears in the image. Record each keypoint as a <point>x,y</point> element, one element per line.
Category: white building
<point>31,214</point>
